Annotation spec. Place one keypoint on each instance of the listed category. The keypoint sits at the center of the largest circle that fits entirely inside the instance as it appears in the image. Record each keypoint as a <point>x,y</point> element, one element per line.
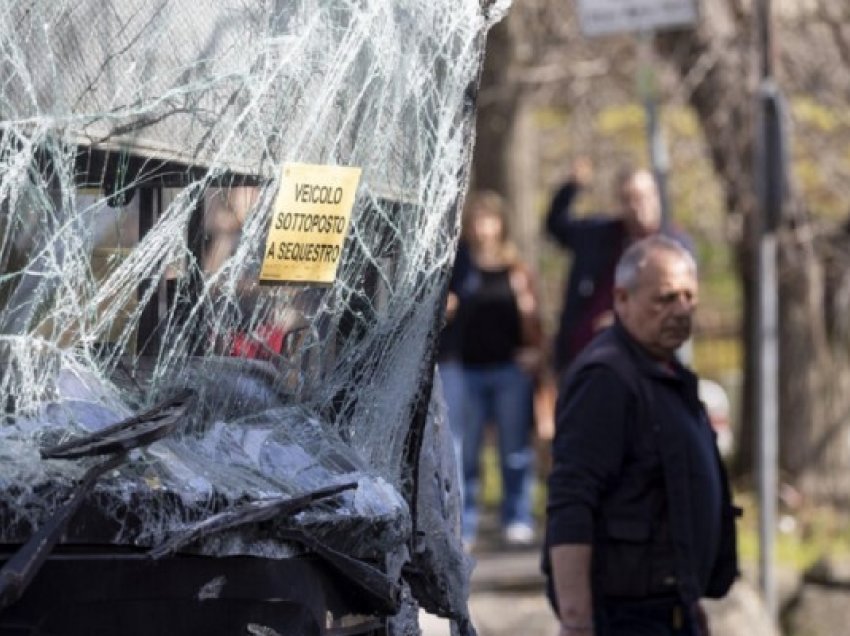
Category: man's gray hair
<point>634,259</point>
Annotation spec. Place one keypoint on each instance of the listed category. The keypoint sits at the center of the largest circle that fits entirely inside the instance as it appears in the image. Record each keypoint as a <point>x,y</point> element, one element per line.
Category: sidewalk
<point>507,591</point>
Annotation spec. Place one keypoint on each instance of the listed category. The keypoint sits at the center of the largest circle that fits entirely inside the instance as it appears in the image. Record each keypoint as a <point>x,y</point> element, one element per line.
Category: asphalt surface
<point>507,592</point>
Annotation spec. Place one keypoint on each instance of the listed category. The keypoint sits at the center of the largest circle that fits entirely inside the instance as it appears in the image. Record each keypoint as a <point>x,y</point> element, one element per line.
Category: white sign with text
<point>604,17</point>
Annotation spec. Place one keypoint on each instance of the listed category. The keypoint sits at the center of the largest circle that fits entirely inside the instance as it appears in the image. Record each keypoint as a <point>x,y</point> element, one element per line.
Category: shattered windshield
<point>142,149</point>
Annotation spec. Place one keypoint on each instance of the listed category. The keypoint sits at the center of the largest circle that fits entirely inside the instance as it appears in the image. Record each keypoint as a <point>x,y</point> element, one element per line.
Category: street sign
<point>604,17</point>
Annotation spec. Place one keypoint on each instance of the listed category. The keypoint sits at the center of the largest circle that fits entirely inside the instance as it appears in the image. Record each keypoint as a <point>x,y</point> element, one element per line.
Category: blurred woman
<point>500,341</point>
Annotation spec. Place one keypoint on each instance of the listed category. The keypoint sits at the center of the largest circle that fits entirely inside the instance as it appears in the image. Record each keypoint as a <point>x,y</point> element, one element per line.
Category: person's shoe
<point>468,544</point>
<point>518,534</point>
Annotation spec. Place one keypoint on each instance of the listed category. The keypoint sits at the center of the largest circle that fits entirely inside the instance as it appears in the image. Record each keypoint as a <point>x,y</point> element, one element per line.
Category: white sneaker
<point>468,544</point>
<point>518,534</point>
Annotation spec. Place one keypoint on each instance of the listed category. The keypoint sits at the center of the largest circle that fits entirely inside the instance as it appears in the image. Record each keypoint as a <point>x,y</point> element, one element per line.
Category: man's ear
<point>621,296</point>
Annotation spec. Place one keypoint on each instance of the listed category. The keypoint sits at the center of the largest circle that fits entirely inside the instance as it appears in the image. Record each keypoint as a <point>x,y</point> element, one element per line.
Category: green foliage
<point>549,117</point>
<point>820,147</point>
<point>714,357</point>
<point>682,122</point>
<point>491,482</point>
<point>625,122</point>
<point>810,114</point>
<point>803,538</point>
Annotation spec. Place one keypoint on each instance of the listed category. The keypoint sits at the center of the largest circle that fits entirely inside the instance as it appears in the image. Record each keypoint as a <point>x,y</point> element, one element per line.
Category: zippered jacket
<point>636,473</point>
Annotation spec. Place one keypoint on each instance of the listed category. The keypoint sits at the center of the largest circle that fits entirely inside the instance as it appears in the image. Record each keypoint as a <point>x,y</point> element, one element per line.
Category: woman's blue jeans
<point>500,394</point>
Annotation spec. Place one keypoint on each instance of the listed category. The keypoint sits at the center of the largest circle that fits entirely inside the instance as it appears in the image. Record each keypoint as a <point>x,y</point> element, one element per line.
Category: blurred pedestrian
<point>500,341</point>
<point>640,523</point>
<point>596,244</point>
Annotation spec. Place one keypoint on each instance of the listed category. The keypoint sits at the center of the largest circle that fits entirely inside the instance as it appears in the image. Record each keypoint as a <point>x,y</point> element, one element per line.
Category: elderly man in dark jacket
<point>596,243</point>
<point>640,523</point>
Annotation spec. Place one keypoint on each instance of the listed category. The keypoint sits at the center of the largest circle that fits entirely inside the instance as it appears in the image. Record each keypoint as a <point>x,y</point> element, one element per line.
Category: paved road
<point>507,597</point>
<point>501,614</point>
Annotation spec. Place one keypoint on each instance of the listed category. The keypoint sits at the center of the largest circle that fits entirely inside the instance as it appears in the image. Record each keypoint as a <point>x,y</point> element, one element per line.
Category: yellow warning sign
<point>309,224</point>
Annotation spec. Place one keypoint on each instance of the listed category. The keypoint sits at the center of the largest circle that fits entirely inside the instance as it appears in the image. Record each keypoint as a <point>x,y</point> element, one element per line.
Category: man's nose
<point>685,304</point>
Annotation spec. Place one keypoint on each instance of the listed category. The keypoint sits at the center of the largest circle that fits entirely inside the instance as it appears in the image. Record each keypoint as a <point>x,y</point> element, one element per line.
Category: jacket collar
<point>672,369</point>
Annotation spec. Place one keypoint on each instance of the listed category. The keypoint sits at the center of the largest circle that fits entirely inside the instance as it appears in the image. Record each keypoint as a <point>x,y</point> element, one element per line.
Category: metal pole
<point>770,175</point>
<point>658,155</point>
<point>765,26</point>
<point>768,415</point>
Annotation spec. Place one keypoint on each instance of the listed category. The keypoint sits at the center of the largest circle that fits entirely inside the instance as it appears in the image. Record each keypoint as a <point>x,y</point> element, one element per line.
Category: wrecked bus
<point>217,418</point>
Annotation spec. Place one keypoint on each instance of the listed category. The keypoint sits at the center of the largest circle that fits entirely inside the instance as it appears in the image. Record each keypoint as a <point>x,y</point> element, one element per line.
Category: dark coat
<point>636,473</point>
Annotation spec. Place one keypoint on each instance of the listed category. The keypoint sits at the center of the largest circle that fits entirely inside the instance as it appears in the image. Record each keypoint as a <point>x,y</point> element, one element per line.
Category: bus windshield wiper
<point>374,585</point>
<point>115,441</point>
<point>252,512</point>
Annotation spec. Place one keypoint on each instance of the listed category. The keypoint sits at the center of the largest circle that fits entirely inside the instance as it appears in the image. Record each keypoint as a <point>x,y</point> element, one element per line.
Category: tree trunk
<point>814,380</point>
<point>497,106</point>
<point>504,149</point>
<point>723,101</point>
<point>814,376</point>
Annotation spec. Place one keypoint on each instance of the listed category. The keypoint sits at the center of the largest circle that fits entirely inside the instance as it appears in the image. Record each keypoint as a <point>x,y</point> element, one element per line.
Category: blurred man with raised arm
<point>596,243</point>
